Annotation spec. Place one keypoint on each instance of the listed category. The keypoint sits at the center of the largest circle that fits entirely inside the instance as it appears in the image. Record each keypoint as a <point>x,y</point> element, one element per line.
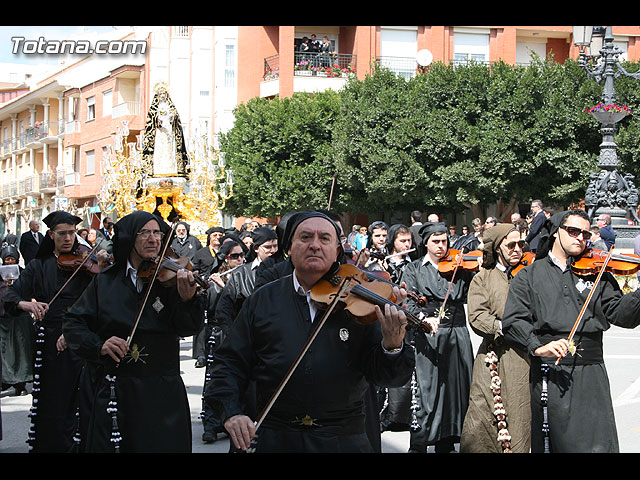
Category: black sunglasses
<point>511,245</point>
<point>236,256</point>
<point>575,232</point>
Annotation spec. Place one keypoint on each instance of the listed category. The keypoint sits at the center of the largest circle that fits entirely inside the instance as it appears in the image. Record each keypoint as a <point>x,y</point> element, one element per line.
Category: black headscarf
<point>125,231</point>
<point>379,224</point>
<point>10,251</point>
<point>299,217</point>
<point>51,221</point>
<point>392,233</point>
<point>549,228</point>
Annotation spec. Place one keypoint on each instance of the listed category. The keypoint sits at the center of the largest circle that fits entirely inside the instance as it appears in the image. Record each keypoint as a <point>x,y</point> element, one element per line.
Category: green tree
<point>280,150</point>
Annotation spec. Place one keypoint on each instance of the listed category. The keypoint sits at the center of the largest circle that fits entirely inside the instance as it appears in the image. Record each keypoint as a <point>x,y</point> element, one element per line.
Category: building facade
<point>56,127</point>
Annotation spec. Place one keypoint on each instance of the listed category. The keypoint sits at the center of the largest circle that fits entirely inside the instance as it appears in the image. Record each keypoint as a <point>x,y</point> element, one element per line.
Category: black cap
<point>58,217</point>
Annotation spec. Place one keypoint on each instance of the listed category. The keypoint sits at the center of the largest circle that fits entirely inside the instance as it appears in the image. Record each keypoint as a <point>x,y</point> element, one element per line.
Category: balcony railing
<point>314,64</point>
<point>125,108</point>
<point>405,67</point>
<point>48,181</point>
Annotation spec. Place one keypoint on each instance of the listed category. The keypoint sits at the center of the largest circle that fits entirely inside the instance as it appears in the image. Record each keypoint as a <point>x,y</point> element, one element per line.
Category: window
<point>470,47</point>
<point>398,47</point>
<point>91,108</point>
<point>91,162</point>
<point>107,103</point>
<point>230,66</point>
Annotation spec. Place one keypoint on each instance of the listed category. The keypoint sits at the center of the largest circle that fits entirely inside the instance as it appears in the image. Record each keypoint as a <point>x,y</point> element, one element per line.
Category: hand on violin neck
<point>186,284</point>
<point>393,321</point>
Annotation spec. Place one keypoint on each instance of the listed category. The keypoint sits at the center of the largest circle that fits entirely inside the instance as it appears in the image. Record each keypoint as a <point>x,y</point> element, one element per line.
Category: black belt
<point>588,349</point>
<point>151,355</point>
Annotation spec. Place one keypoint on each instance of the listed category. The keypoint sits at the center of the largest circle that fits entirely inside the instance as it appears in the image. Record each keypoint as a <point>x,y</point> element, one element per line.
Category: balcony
<point>406,67</point>
<point>48,182</point>
<point>312,72</point>
<point>66,178</point>
<point>31,185</point>
<point>72,126</point>
<point>126,108</point>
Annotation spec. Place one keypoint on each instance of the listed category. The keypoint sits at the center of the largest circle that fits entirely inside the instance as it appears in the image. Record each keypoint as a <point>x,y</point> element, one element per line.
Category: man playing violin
<point>443,360</point>
<point>321,407</point>
<point>142,364</point>
<point>483,424</point>
<point>544,301</point>
<point>54,420</point>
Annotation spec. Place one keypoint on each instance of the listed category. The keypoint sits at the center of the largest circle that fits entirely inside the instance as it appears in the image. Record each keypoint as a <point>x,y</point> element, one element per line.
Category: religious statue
<point>164,152</point>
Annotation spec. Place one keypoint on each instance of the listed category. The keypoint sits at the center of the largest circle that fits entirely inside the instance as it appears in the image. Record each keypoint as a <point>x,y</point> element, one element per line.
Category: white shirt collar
<point>299,289</point>
<point>557,262</point>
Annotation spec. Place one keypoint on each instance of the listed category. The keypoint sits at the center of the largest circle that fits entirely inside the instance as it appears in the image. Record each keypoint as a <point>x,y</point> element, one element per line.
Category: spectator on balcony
<point>304,50</point>
<point>325,52</point>
<point>30,242</point>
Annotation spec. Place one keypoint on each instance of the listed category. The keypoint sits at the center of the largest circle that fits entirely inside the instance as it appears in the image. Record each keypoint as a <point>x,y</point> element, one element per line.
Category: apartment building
<point>270,62</point>
<point>53,136</point>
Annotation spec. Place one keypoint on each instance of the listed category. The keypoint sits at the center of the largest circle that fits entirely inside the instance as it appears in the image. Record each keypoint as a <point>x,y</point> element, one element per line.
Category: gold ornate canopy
<point>181,179</point>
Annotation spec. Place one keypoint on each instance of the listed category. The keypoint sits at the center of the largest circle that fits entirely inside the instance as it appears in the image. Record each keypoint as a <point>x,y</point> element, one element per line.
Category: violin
<point>455,259</point>
<point>168,269</point>
<point>82,258</point>
<point>386,277</point>
<point>360,296</point>
<point>592,261</point>
<point>527,259</point>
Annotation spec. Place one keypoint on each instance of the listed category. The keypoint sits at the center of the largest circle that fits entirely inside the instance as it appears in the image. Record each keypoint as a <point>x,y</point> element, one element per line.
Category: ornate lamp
<point>608,192</point>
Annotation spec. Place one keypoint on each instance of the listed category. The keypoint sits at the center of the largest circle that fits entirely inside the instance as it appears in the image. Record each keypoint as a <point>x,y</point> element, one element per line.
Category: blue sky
<point>33,32</point>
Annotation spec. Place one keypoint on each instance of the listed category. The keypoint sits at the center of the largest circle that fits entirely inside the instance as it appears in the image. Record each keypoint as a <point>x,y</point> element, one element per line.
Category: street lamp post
<point>609,192</point>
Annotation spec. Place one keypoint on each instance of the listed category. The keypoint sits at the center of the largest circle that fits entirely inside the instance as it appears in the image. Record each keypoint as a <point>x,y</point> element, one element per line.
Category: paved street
<point>622,356</point>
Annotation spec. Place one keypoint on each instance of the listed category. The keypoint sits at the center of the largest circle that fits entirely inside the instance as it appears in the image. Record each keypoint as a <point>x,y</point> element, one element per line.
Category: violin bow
<point>84,260</point>
<point>586,304</point>
<point>148,289</point>
<point>343,287</point>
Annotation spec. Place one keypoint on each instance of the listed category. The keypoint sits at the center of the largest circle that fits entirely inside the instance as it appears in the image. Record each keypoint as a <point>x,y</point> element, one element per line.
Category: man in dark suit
<point>536,224</point>
<point>30,241</point>
<point>107,228</point>
<point>416,215</point>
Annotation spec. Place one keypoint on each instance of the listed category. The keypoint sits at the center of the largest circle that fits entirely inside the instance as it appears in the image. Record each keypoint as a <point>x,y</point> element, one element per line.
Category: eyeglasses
<point>64,233</point>
<point>575,232</point>
<point>144,234</point>
<point>236,256</point>
<point>511,245</point>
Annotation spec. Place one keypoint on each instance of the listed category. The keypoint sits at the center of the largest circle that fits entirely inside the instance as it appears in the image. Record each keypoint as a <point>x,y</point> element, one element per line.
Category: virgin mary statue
<point>164,152</point>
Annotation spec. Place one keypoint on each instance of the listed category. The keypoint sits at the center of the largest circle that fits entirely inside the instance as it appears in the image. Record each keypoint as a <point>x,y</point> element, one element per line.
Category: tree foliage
<point>456,137</point>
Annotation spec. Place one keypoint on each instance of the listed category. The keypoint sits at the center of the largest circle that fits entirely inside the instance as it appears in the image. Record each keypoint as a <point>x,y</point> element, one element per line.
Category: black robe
<point>56,403</point>
<point>187,247</point>
<point>153,410</point>
<point>542,305</point>
<point>444,361</point>
<point>324,398</point>
<point>17,342</point>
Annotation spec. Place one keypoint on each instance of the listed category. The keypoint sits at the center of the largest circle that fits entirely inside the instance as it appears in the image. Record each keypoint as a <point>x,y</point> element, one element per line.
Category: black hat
<point>263,234</point>
<point>58,217</point>
<point>431,228</point>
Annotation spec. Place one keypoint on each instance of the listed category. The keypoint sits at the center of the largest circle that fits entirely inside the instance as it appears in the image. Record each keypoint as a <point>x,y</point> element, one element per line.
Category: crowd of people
<point>299,354</point>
